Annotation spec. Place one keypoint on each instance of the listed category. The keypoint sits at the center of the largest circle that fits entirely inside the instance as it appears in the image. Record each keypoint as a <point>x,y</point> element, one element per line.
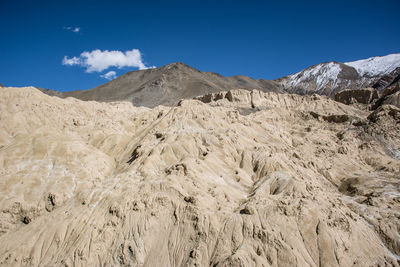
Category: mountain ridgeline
<point>168,84</point>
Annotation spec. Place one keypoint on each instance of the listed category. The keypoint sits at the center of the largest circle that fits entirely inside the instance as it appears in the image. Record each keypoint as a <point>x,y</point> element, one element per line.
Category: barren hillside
<point>166,86</point>
<point>237,178</point>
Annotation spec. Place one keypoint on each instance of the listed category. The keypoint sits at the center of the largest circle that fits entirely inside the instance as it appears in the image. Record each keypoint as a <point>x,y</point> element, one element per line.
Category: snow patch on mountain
<point>322,73</point>
<point>376,66</point>
<point>332,76</point>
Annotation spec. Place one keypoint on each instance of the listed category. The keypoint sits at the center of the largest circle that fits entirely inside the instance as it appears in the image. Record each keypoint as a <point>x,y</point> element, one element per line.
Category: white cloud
<point>97,60</point>
<point>70,61</point>
<point>109,75</point>
<point>72,29</point>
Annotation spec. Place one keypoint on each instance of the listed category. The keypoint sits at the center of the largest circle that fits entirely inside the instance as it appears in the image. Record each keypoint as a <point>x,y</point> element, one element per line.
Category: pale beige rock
<point>247,179</point>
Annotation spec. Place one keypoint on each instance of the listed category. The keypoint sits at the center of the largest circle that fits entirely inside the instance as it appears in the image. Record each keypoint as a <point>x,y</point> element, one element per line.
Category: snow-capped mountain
<point>330,77</point>
<point>376,66</point>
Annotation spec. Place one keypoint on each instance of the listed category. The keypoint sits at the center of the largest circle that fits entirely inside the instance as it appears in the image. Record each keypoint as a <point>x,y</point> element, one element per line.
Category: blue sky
<point>260,39</point>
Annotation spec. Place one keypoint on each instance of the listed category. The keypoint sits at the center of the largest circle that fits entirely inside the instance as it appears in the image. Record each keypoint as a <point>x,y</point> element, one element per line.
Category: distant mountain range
<point>168,84</point>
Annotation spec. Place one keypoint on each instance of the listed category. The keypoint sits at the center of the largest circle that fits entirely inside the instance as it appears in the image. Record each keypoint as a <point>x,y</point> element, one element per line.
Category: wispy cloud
<point>97,60</point>
<point>70,61</point>
<point>109,75</point>
<point>72,29</point>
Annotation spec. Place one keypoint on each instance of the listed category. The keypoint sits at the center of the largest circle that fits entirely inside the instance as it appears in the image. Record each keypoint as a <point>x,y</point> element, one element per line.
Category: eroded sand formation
<point>246,179</point>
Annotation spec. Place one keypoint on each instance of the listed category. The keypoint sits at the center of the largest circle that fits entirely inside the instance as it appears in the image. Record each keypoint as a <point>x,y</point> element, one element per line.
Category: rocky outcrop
<point>387,80</point>
<point>362,96</point>
<point>393,99</point>
<point>385,111</point>
<point>390,96</point>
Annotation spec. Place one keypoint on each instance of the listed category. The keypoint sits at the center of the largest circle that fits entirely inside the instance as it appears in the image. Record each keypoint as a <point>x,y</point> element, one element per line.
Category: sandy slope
<point>247,179</point>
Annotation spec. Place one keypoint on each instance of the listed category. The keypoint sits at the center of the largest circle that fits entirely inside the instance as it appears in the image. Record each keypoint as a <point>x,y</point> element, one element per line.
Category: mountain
<point>167,85</point>
<point>376,66</point>
<point>247,179</point>
<point>330,77</point>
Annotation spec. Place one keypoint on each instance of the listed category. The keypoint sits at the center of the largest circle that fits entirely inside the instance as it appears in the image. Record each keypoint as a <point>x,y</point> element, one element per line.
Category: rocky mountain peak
<point>330,77</point>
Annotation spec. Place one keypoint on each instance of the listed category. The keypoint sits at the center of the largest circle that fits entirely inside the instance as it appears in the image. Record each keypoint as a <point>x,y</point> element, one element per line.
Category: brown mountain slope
<point>248,179</point>
<point>167,85</point>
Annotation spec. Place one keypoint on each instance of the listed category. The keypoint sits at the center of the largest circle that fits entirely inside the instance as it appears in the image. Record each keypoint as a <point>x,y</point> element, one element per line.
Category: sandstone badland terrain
<point>233,178</point>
